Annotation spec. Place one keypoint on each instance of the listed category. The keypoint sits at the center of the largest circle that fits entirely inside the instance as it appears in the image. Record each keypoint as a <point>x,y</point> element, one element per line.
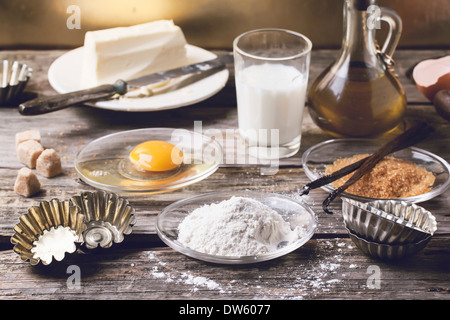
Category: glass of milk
<point>271,73</point>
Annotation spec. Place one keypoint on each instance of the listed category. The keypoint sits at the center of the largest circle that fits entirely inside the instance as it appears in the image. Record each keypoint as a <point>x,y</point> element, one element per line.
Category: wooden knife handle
<point>42,105</point>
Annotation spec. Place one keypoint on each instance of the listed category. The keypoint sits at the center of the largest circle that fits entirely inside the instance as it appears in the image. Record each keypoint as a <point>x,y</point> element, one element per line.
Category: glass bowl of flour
<point>236,227</point>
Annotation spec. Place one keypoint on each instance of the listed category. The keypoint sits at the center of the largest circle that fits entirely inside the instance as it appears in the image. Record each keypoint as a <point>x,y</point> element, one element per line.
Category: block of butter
<point>129,52</point>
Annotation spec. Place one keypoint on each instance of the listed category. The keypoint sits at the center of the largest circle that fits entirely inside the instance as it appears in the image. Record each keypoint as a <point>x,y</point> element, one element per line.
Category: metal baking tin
<point>388,221</point>
<point>14,78</point>
<point>48,214</point>
<point>108,218</point>
<point>384,251</point>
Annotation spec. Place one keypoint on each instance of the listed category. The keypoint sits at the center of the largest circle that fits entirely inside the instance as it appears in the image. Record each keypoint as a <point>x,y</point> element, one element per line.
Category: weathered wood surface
<point>330,266</point>
<point>322,269</point>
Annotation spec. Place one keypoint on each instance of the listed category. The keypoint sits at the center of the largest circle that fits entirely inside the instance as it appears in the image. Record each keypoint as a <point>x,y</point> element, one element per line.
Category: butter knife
<point>41,105</point>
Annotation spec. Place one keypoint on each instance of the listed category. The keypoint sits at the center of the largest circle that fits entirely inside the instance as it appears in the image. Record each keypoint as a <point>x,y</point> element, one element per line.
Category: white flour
<point>236,227</point>
<point>54,243</point>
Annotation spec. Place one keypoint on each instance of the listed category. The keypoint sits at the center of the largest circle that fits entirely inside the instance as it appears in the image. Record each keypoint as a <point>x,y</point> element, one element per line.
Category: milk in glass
<point>270,97</point>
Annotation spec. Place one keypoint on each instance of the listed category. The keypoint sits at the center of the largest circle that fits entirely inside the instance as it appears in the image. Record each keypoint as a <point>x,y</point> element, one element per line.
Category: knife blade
<point>41,105</point>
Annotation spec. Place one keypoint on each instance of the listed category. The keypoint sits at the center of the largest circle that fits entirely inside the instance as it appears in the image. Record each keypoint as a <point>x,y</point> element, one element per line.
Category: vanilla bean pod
<point>329,178</point>
<point>326,179</point>
<point>404,140</point>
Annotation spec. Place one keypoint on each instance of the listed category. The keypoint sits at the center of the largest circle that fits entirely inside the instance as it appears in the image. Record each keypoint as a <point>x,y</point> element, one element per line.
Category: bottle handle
<point>395,30</point>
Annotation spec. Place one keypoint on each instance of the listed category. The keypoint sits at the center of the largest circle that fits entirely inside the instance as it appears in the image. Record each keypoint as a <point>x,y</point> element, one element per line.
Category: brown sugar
<point>27,183</point>
<point>391,178</point>
<point>48,164</point>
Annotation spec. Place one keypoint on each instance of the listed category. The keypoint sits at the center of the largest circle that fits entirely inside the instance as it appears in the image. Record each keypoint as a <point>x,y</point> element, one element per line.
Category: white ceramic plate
<point>65,73</point>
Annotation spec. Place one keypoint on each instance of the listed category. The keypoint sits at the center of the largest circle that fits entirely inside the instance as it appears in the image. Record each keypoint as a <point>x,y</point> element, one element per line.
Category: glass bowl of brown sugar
<point>412,174</point>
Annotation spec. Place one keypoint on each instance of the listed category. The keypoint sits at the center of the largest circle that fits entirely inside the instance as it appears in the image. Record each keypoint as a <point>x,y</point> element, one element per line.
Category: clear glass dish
<point>293,211</point>
<point>316,158</point>
<point>104,163</point>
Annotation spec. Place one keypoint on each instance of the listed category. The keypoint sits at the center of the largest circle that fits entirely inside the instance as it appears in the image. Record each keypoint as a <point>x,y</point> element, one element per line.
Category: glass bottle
<point>359,95</point>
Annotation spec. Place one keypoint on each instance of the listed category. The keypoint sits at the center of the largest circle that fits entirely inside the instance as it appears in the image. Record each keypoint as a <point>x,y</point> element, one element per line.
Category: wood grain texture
<point>322,269</point>
<point>329,266</point>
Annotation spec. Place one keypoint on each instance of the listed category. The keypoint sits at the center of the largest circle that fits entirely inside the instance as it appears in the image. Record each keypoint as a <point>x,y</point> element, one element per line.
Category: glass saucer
<point>104,163</point>
<point>316,158</point>
<point>296,212</point>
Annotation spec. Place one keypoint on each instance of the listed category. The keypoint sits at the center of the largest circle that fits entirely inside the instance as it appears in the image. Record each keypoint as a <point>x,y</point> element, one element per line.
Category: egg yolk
<point>157,156</point>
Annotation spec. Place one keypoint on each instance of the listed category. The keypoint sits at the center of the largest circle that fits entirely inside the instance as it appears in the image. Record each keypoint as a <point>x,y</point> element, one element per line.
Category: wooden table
<point>329,266</point>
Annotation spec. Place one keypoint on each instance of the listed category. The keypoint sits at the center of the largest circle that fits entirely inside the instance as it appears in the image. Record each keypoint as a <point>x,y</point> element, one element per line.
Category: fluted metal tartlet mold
<point>383,251</point>
<point>48,215</point>
<point>108,218</point>
<point>388,221</point>
<point>14,78</point>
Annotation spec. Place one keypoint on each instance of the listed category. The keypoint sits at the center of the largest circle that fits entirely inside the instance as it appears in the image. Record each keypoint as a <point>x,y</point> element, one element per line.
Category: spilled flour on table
<point>186,277</point>
<point>314,276</point>
<point>317,274</point>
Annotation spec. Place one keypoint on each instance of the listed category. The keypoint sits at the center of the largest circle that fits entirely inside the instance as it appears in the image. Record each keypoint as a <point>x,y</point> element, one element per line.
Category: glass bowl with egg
<point>150,160</point>
<point>413,175</point>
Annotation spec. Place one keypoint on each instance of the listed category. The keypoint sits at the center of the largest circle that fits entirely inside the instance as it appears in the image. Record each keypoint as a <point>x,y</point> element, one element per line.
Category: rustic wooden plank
<point>72,128</point>
<point>327,267</point>
<point>405,60</point>
<point>69,130</point>
<point>288,181</point>
<point>323,269</point>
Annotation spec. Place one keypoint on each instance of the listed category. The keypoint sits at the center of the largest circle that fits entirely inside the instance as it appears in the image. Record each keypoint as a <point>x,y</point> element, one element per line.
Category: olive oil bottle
<point>359,94</point>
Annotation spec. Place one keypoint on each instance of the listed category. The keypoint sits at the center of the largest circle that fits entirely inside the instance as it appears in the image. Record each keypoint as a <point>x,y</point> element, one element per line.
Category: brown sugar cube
<point>28,152</point>
<point>31,134</point>
<point>27,183</point>
<point>48,164</point>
